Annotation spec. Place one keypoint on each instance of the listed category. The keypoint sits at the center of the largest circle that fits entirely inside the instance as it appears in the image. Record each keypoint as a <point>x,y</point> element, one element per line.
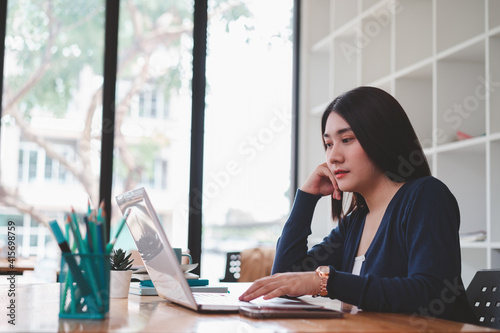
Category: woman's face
<point>346,159</point>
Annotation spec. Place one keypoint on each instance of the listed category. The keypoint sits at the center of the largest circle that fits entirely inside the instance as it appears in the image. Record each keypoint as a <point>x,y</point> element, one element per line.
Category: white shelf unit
<point>439,58</point>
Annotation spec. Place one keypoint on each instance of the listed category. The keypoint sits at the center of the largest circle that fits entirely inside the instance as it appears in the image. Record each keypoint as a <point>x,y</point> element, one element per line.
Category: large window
<point>247,130</point>
<point>153,109</point>
<point>52,128</point>
<point>50,118</point>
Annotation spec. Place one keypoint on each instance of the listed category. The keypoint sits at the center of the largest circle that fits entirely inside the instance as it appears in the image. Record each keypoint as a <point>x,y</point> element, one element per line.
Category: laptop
<point>165,271</point>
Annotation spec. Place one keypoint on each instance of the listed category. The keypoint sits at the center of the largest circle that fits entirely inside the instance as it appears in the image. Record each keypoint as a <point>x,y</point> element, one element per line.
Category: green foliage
<point>144,153</point>
<point>236,11</point>
<point>60,34</point>
<point>68,36</point>
<point>120,261</point>
<point>55,48</point>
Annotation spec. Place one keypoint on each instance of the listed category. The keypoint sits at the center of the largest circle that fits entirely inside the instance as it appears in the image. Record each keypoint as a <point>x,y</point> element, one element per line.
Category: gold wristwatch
<point>323,273</point>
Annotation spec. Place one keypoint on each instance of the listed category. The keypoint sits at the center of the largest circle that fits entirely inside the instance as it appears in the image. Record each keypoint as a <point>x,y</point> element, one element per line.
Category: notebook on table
<point>164,269</point>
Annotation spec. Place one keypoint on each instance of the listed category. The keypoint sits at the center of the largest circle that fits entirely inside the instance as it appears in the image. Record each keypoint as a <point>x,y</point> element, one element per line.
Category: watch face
<point>324,269</point>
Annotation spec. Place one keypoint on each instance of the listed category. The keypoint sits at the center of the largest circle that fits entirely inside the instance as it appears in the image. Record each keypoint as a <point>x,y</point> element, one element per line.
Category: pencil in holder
<point>84,280</point>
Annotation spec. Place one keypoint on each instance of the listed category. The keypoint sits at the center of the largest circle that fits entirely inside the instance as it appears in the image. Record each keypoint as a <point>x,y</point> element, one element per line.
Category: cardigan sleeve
<point>292,250</point>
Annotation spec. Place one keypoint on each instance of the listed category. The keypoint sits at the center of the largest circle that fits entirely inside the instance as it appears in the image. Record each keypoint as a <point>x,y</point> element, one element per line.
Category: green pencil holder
<point>84,281</point>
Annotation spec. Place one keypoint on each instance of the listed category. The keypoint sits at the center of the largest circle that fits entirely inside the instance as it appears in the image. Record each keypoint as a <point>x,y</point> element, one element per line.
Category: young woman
<point>396,249</point>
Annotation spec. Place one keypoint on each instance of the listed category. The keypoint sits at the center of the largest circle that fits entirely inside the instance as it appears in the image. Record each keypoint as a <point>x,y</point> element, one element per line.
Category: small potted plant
<point>121,273</point>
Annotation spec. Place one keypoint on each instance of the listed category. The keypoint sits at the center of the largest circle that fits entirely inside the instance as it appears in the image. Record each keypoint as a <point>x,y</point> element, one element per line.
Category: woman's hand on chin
<point>322,181</point>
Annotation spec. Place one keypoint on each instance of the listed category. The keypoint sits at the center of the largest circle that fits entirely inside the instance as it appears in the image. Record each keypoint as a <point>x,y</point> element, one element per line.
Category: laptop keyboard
<point>232,299</point>
<point>215,298</point>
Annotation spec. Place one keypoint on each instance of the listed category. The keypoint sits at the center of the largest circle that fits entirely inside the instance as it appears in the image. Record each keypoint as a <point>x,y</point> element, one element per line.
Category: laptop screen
<point>152,243</point>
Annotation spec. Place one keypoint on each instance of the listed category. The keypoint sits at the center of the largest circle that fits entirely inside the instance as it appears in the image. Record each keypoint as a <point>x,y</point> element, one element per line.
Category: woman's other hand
<point>281,284</point>
<point>322,181</point>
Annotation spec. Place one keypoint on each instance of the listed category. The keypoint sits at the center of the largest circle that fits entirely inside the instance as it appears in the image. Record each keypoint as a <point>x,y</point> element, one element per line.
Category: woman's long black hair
<point>384,131</point>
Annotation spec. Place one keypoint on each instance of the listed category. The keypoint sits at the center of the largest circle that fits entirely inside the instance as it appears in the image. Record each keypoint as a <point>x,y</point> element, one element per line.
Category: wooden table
<point>37,306</point>
<point>21,265</point>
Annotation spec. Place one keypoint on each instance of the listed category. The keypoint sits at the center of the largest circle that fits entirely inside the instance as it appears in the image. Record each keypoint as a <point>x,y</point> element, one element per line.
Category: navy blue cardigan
<point>413,264</point>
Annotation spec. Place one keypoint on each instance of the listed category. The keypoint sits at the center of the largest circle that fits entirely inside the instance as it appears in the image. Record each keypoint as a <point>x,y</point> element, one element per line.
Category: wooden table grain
<point>37,310</point>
